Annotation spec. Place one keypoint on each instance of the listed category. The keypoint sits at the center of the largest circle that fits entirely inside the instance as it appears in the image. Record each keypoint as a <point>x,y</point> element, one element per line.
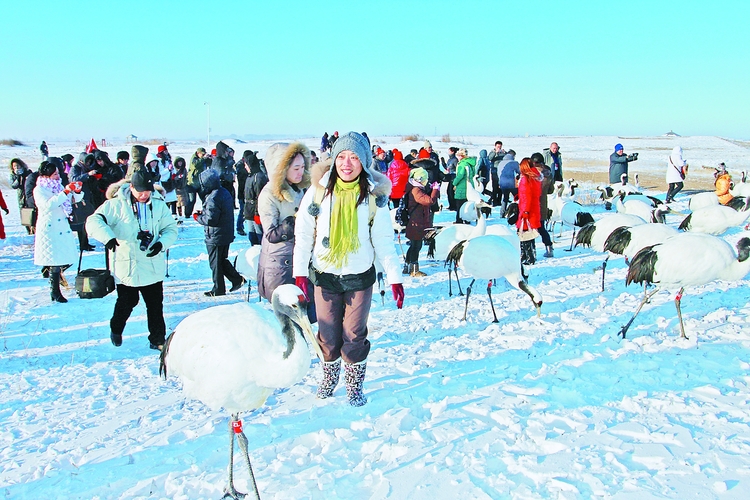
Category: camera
<point>145,238</point>
<point>633,157</point>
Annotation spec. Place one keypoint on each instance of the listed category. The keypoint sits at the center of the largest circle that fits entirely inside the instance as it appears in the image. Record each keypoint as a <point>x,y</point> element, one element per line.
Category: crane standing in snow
<point>688,259</point>
<point>234,356</point>
<point>488,257</point>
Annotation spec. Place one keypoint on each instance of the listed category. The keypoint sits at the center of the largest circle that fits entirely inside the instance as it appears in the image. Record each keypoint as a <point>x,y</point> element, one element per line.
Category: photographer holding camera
<point>618,164</point>
<point>136,225</point>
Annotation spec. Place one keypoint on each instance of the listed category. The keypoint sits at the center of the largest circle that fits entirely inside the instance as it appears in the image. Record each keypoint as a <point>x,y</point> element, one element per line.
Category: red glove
<point>304,284</point>
<point>195,216</point>
<point>256,219</point>
<point>96,176</point>
<point>398,294</point>
<point>74,187</point>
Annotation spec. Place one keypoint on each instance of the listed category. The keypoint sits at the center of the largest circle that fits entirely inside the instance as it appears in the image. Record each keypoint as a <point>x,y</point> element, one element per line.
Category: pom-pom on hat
<point>359,145</point>
<point>618,147</point>
<point>141,181</point>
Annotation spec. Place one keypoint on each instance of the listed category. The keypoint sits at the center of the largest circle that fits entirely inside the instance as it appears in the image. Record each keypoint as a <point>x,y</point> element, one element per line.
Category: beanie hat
<point>537,157</point>
<point>618,147</point>
<point>398,155</point>
<point>201,150</point>
<point>359,145</point>
<point>423,153</point>
<point>67,157</point>
<point>427,144</point>
<point>419,174</point>
<point>141,181</point>
<point>47,168</point>
<point>462,152</point>
<point>161,149</point>
<point>379,151</point>
<point>123,155</point>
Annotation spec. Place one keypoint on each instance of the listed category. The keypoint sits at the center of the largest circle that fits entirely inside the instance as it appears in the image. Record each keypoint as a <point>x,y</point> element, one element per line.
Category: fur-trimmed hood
<point>278,159</point>
<point>115,189</point>
<point>380,185</point>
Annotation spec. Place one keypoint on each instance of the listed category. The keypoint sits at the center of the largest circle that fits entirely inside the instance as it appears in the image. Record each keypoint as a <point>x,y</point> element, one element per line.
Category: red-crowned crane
<point>688,259</point>
<point>246,264</point>
<point>234,356</point>
<point>567,213</point>
<point>714,220</point>
<point>628,241</point>
<point>489,257</point>
<point>595,234</point>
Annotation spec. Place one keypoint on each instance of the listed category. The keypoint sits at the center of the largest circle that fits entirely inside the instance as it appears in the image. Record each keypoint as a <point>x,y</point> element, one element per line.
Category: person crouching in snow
<point>420,199</point>
<point>217,218</point>
<point>343,225</point>
<point>55,245</point>
<point>136,225</point>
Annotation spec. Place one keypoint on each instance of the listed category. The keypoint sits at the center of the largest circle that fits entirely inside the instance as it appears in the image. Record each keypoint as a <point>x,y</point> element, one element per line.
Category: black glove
<point>111,245</point>
<point>155,249</point>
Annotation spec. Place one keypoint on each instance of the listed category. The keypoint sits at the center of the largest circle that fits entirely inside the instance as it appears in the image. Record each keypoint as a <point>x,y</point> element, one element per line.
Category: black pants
<point>127,299</point>
<point>412,255</point>
<point>496,192</point>
<point>674,188</point>
<point>190,196</point>
<point>545,236</point>
<point>459,203</point>
<point>220,267</point>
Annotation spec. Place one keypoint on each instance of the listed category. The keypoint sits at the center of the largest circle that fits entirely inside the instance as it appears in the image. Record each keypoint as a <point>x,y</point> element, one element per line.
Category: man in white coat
<point>137,226</point>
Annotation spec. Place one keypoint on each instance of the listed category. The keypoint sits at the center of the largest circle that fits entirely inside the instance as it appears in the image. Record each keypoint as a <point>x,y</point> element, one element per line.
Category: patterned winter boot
<point>528,256</point>
<point>331,371</point>
<point>354,377</point>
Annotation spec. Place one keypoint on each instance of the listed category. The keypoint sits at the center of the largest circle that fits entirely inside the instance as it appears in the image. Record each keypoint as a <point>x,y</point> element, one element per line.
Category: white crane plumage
<point>234,356</point>
<point>594,235</point>
<point>567,213</point>
<point>741,189</point>
<point>714,219</point>
<point>702,200</point>
<point>246,264</point>
<point>687,259</point>
<point>628,241</point>
<point>646,210</point>
<point>490,257</point>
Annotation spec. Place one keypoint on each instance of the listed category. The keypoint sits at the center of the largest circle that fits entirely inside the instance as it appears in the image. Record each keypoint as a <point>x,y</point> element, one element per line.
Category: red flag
<point>92,146</point>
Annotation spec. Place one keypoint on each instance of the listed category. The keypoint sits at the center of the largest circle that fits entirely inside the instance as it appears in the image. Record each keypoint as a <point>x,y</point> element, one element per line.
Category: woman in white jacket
<point>676,172</point>
<point>342,226</point>
<point>55,245</point>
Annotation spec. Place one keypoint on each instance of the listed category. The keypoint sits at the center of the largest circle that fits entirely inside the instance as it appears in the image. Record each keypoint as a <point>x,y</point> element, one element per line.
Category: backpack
<point>402,211</point>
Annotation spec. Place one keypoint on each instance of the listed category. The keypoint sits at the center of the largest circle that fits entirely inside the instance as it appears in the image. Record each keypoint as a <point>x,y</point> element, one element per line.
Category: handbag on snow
<point>527,233</point>
<point>28,216</point>
<point>94,283</point>
<point>81,212</point>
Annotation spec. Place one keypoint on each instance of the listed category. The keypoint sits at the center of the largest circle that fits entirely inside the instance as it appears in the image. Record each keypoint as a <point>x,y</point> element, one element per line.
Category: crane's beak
<point>307,332</point>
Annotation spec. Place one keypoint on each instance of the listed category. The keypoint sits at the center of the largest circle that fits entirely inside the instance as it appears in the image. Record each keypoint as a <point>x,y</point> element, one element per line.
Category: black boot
<point>406,269</point>
<point>331,371</point>
<point>528,255</point>
<point>54,283</point>
<point>354,377</point>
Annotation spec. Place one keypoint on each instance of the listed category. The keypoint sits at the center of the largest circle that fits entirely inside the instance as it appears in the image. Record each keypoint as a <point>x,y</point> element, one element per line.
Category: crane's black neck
<point>289,330</point>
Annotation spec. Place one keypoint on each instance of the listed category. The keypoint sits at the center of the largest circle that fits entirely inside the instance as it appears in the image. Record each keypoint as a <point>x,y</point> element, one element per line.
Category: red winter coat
<point>398,173</point>
<point>529,192</point>
<point>4,207</point>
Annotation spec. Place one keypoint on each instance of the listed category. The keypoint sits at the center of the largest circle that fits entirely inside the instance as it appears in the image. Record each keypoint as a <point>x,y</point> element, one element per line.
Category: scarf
<point>55,186</point>
<point>343,228</point>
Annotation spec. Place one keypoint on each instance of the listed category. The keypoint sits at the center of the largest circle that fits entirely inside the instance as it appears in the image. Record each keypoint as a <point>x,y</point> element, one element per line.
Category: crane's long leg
<point>489,294</point>
<point>455,271</point>
<point>450,286</point>
<point>230,491</point>
<point>572,238</point>
<point>646,298</point>
<point>242,439</point>
<point>604,270</point>
<point>677,301</point>
<point>468,293</point>
<point>248,289</point>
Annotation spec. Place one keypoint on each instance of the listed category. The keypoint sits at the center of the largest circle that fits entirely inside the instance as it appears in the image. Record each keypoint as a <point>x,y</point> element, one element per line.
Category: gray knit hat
<point>352,141</point>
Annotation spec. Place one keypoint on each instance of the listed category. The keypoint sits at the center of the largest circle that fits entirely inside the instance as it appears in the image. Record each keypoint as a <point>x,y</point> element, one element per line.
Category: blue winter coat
<point>218,210</point>
<point>510,170</point>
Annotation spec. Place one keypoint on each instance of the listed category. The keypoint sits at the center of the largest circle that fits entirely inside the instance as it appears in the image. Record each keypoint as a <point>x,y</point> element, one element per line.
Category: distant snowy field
<point>530,408</point>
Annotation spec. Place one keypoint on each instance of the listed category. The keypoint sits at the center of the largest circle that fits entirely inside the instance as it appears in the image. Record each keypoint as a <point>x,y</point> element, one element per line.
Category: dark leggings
<point>127,299</point>
<point>412,255</point>
<point>674,188</point>
<point>545,236</point>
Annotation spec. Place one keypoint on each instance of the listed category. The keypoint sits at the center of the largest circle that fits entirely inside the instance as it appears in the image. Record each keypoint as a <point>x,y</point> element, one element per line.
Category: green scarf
<point>343,235</point>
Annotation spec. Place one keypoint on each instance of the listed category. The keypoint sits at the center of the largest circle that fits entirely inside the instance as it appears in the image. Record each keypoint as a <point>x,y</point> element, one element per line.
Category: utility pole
<point>208,125</point>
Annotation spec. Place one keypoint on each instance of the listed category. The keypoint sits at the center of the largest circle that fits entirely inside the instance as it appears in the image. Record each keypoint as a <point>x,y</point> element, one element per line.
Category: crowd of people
<point>321,221</point>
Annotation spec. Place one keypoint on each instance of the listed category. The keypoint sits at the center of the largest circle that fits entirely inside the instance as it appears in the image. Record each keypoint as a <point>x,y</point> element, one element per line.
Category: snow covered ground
<point>551,407</point>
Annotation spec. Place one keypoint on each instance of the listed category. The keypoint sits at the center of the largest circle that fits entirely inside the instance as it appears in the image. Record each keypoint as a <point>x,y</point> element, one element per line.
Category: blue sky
<point>108,69</point>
